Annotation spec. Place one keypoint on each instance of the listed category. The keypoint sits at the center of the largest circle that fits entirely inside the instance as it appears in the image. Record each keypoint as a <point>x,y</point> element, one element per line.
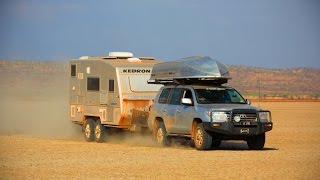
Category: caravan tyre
<point>89,130</point>
<point>100,132</point>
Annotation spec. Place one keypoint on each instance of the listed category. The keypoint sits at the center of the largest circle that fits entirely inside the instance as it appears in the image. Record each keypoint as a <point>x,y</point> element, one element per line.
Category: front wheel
<point>215,144</point>
<point>256,142</point>
<point>161,134</point>
<point>202,139</point>
<point>100,132</point>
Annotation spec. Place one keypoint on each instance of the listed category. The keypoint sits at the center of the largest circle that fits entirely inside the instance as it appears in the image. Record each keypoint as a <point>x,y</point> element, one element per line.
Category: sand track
<point>292,151</point>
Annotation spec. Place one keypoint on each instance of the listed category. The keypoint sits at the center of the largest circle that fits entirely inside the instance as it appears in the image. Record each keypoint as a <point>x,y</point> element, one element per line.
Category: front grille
<point>245,116</point>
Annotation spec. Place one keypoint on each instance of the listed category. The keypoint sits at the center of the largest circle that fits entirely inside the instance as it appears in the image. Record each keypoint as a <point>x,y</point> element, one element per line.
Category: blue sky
<point>261,33</point>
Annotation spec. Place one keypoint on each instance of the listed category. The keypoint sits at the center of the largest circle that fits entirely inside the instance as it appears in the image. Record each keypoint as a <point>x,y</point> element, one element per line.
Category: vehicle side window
<point>164,96</point>
<point>176,96</point>
<point>188,94</point>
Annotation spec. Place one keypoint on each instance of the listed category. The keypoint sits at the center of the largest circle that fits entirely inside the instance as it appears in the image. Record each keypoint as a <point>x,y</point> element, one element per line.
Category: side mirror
<point>248,101</point>
<point>186,101</point>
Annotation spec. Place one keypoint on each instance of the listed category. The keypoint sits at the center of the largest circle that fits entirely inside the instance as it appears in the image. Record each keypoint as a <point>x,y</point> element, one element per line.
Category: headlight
<point>218,116</point>
<point>265,116</point>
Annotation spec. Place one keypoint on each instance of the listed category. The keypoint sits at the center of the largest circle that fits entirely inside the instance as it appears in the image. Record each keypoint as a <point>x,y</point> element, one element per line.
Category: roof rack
<point>197,70</point>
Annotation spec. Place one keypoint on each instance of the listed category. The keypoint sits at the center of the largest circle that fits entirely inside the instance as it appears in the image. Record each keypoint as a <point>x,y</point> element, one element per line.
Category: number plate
<point>244,131</point>
<point>245,123</point>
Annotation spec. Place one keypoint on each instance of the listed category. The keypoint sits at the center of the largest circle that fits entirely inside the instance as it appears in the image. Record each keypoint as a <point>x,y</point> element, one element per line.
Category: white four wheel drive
<point>194,104</point>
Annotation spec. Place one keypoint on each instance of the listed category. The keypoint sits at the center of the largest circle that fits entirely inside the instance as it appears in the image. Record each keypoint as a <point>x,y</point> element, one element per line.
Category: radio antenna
<point>259,89</point>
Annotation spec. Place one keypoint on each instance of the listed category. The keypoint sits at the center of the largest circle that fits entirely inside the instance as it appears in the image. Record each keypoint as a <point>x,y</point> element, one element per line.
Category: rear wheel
<point>100,133</point>
<point>161,134</point>
<point>89,130</point>
<point>256,142</point>
<point>202,139</point>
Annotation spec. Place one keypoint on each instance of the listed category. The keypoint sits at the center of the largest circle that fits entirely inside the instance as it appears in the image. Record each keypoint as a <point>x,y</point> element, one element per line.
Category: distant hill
<point>293,83</point>
<point>35,77</point>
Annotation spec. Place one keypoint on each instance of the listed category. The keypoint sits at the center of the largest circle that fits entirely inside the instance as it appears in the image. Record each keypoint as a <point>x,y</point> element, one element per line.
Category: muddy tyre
<point>202,139</point>
<point>89,130</point>
<point>100,132</point>
<point>256,142</point>
<point>160,135</point>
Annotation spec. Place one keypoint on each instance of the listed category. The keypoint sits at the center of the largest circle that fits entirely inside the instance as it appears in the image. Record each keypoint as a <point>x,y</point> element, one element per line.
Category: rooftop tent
<point>195,70</point>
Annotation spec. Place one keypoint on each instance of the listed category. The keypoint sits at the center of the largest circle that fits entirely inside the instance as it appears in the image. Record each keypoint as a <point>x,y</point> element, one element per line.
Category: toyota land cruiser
<point>207,114</point>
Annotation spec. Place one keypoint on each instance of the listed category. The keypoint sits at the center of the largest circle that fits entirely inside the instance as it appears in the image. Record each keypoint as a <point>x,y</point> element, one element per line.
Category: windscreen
<point>218,95</point>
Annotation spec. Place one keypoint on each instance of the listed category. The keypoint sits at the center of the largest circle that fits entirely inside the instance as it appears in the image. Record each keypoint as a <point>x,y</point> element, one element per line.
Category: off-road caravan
<point>110,91</point>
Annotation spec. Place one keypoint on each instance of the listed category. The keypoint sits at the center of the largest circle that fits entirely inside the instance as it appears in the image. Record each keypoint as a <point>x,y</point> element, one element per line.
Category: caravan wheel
<point>89,130</point>
<point>100,132</point>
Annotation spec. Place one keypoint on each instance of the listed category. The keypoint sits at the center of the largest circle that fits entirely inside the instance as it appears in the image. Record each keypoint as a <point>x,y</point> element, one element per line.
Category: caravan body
<point>111,89</point>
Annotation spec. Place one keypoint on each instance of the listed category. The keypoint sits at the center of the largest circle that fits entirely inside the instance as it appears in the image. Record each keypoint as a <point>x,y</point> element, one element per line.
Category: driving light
<point>264,116</point>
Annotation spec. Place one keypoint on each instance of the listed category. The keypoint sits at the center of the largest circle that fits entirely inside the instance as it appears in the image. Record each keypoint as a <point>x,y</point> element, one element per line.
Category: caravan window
<point>93,84</point>
<point>111,85</point>
<point>73,70</point>
<point>137,84</point>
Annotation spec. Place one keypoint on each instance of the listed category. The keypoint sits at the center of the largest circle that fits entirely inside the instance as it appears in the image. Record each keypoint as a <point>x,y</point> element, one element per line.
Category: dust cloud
<point>116,136</point>
<point>38,118</point>
<point>35,103</point>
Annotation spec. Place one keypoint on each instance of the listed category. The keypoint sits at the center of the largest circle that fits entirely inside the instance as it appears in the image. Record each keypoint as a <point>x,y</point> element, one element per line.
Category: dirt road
<point>292,151</point>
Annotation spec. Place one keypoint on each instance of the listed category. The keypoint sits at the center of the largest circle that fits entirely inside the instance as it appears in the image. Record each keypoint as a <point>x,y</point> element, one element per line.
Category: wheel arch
<point>85,118</point>
<point>156,121</point>
<point>94,118</point>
